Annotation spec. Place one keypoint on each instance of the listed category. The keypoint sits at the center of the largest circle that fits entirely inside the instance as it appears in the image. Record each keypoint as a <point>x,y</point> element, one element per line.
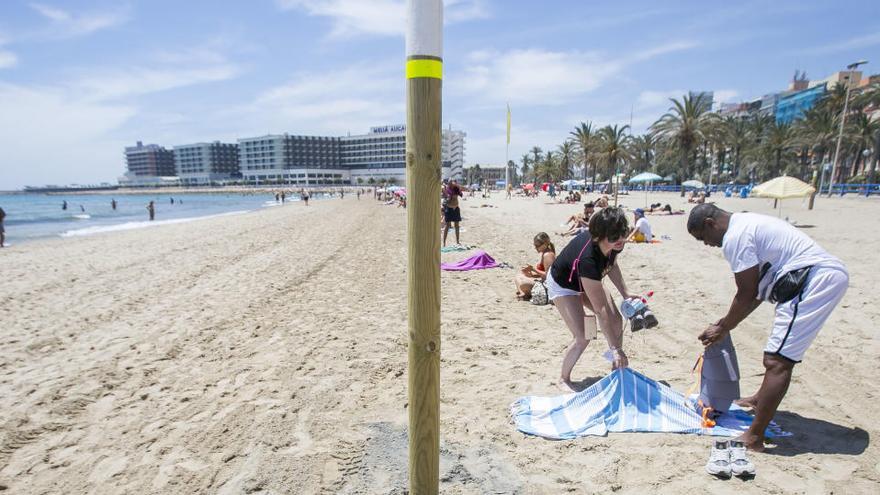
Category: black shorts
<point>452,214</point>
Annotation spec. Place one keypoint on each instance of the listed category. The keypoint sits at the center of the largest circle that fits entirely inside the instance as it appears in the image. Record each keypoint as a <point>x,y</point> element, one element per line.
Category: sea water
<point>36,216</point>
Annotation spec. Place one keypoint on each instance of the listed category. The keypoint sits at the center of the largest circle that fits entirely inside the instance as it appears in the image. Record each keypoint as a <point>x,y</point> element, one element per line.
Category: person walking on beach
<point>113,204</point>
<point>152,209</point>
<point>305,197</point>
<point>771,261</point>
<point>574,282</point>
<point>452,212</point>
<point>2,228</point>
<point>283,197</point>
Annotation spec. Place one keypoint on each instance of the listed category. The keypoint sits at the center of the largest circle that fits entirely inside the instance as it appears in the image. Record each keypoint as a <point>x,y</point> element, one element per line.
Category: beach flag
<point>508,123</point>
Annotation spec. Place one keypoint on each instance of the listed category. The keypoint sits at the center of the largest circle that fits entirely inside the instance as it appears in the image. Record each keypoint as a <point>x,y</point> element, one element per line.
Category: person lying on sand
<point>665,210</point>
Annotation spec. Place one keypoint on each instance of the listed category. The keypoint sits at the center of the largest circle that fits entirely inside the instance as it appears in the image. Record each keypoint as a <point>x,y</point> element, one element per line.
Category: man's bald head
<point>699,215</point>
<point>708,223</point>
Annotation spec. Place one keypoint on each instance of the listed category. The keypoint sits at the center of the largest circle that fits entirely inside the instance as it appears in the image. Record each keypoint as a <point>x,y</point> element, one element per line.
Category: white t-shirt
<point>776,246</point>
<point>644,227</point>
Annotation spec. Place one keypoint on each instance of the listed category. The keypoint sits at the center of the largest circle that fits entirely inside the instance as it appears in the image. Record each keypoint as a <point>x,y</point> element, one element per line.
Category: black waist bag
<point>790,285</point>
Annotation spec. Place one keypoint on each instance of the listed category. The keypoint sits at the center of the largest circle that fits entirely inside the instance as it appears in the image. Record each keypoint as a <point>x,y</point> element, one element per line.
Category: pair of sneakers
<point>729,458</point>
<point>643,319</point>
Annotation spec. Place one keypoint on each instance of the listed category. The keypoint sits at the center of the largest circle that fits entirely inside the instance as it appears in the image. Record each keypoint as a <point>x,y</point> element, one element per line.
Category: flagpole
<point>507,153</point>
<point>424,73</point>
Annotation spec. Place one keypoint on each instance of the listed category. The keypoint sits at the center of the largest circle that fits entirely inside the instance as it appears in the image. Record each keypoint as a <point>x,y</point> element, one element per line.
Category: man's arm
<point>744,302</point>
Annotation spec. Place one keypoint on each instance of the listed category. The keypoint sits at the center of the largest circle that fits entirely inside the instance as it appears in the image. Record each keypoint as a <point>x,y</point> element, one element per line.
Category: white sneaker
<point>719,460</point>
<point>740,465</point>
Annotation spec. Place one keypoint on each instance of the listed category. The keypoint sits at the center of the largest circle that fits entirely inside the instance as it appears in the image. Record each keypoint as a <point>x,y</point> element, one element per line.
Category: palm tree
<point>536,151</point>
<point>860,131</point>
<point>777,143</point>
<point>818,131</point>
<point>566,154</point>
<point>613,149</point>
<point>525,167</point>
<point>584,137</point>
<point>683,127</point>
<point>643,149</point>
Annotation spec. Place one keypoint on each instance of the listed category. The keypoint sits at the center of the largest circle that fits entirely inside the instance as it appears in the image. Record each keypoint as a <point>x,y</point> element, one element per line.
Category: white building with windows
<point>206,163</point>
<point>376,157</point>
<point>381,155</point>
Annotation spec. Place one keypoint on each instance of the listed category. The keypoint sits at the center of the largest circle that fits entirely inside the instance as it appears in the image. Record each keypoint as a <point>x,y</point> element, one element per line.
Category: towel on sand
<point>623,401</point>
<point>478,261</point>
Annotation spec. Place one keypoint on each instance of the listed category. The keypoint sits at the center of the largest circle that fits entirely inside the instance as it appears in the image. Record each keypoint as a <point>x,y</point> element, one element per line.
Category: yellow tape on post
<point>424,68</point>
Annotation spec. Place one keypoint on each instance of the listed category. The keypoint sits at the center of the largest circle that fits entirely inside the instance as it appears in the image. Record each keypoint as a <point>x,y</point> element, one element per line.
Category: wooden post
<point>424,65</point>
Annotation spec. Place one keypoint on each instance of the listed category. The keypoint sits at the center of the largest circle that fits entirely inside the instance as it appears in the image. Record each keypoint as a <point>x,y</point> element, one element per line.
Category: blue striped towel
<point>623,401</point>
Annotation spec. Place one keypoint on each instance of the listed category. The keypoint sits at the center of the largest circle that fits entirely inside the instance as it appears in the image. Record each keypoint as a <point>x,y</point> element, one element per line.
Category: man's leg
<point>777,377</point>
<point>456,234</point>
<point>445,232</point>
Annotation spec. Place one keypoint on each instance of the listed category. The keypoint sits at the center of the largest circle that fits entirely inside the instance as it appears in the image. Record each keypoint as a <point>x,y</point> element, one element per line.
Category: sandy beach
<point>266,352</point>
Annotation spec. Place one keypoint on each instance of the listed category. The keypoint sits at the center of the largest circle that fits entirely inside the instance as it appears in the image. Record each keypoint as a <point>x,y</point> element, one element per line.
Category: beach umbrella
<point>693,183</point>
<point>570,183</point>
<point>643,178</point>
<point>784,187</point>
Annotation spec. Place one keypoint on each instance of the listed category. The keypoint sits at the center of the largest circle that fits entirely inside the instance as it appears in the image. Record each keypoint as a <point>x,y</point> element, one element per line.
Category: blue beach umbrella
<point>645,177</point>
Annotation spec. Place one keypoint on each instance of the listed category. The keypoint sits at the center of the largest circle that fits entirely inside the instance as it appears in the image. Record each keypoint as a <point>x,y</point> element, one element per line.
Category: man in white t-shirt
<point>642,230</point>
<point>765,254</point>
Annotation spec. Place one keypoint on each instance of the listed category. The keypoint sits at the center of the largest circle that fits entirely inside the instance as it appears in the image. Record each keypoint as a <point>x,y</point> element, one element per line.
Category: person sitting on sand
<point>602,202</point>
<point>574,283</point>
<point>529,274</point>
<point>774,261</point>
<point>579,221</point>
<point>642,230</point>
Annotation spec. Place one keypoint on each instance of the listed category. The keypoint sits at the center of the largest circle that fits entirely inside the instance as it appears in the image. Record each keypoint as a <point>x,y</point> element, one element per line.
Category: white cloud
<point>655,51</point>
<point>865,41</point>
<point>352,17</point>
<point>7,59</point>
<point>652,99</point>
<point>329,102</point>
<point>537,77</point>
<point>533,76</point>
<point>78,130</point>
<point>378,17</point>
<point>134,81</point>
<point>66,24</point>
<point>725,95</point>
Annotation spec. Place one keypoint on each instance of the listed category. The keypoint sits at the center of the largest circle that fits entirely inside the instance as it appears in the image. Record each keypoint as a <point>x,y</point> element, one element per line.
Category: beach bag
<point>539,293</point>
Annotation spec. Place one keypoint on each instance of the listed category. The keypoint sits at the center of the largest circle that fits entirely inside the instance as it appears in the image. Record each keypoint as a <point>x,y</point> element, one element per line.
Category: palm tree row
<point>691,141</point>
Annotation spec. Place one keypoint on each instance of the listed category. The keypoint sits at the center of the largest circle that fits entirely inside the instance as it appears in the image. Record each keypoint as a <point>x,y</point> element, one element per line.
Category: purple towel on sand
<point>476,262</point>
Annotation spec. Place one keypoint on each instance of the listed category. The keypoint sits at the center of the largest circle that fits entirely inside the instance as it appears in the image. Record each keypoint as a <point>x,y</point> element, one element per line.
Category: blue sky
<point>80,80</point>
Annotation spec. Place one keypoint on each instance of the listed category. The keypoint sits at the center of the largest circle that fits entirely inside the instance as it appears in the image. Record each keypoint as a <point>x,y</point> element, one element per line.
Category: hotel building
<point>150,160</point>
<point>205,163</point>
<point>321,160</point>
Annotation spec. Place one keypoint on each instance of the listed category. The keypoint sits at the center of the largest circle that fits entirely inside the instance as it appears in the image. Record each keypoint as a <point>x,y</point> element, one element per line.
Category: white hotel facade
<point>348,160</point>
